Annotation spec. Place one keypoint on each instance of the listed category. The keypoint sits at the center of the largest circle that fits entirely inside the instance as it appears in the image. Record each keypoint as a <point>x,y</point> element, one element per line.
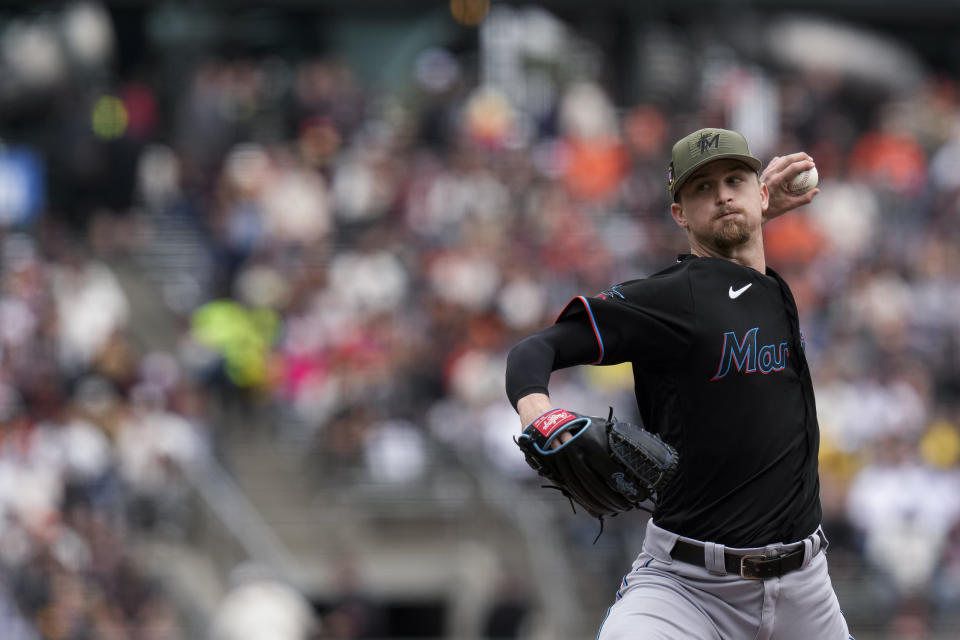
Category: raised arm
<point>777,175</point>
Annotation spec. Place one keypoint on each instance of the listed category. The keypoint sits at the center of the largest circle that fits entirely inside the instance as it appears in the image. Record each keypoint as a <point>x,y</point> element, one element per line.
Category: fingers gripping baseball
<point>791,182</point>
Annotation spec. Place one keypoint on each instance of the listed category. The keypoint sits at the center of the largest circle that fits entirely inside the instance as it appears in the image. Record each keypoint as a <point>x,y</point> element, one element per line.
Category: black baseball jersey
<point>720,373</point>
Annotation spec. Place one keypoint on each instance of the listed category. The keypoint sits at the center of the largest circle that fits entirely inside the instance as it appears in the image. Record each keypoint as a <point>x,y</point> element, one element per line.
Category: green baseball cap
<point>703,146</point>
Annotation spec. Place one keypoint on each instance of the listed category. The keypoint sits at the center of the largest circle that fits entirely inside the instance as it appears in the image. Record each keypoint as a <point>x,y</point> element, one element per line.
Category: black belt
<point>749,566</point>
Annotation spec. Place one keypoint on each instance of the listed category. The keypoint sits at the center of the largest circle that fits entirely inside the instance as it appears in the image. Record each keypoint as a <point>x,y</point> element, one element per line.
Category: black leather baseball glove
<point>607,467</point>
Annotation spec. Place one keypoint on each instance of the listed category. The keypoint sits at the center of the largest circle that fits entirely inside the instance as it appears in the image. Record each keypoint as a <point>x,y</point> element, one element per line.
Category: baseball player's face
<point>721,206</point>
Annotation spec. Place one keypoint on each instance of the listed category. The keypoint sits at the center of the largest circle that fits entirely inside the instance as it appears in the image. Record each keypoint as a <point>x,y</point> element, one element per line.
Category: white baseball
<point>804,181</point>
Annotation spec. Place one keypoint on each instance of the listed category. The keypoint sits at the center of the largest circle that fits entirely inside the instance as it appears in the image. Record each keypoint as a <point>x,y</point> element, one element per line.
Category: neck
<point>747,256</point>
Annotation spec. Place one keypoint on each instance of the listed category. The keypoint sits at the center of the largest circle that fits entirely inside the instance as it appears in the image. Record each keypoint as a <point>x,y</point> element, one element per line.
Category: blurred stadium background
<point>260,267</point>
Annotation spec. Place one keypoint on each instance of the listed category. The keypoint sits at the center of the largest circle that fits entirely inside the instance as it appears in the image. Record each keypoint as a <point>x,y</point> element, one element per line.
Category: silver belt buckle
<point>743,567</point>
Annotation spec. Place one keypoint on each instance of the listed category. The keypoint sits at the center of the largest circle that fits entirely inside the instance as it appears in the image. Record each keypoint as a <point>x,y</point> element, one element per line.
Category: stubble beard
<point>732,234</point>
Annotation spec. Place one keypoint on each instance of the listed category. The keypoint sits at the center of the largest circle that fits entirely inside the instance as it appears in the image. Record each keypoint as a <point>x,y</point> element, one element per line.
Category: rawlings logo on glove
<point>548,422</point>
<point>606,466</point>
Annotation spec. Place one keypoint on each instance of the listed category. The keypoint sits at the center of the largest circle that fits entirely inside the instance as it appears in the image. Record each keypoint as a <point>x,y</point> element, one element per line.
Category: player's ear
<point>764,196</point>
<point>676,210</point>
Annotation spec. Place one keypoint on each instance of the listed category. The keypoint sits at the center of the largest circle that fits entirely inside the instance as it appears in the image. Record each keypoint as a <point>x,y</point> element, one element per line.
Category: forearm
<point>529,365</point>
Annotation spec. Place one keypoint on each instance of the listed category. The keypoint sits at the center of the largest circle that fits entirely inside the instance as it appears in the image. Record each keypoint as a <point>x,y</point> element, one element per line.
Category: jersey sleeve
<point>532,360</point>
<point>647,322</point>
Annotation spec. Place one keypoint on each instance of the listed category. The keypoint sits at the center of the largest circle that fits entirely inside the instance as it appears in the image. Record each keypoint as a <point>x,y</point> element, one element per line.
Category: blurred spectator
<point>153,444</point>
<point>90,305</point>
<point>395,452</point>
<point>352,615</point>
<point>258,606</point>
<point>904,510</point>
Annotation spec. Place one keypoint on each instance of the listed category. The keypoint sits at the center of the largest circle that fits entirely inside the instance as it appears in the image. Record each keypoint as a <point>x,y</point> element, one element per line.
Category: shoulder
<point>663,282</point>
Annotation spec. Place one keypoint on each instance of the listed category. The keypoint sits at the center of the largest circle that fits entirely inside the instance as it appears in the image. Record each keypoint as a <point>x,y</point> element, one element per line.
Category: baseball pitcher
<point>727,451</point>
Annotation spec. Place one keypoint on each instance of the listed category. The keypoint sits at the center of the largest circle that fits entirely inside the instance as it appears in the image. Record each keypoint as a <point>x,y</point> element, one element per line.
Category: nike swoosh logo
<point>736,294</point>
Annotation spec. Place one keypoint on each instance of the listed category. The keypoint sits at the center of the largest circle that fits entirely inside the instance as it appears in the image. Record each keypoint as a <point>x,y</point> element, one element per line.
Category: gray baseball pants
<point>666,599</point>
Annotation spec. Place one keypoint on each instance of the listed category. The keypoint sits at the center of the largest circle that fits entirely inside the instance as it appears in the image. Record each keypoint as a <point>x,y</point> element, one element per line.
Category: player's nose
<point>724,193</point>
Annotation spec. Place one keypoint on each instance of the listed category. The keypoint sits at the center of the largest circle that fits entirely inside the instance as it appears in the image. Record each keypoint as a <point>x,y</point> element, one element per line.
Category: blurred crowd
<point>373,254</point>
<point>92,437</point>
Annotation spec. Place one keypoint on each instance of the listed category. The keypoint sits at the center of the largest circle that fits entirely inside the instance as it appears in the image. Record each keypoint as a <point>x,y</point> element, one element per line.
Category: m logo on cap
<point>702,146</point>
<point>706,142</point>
